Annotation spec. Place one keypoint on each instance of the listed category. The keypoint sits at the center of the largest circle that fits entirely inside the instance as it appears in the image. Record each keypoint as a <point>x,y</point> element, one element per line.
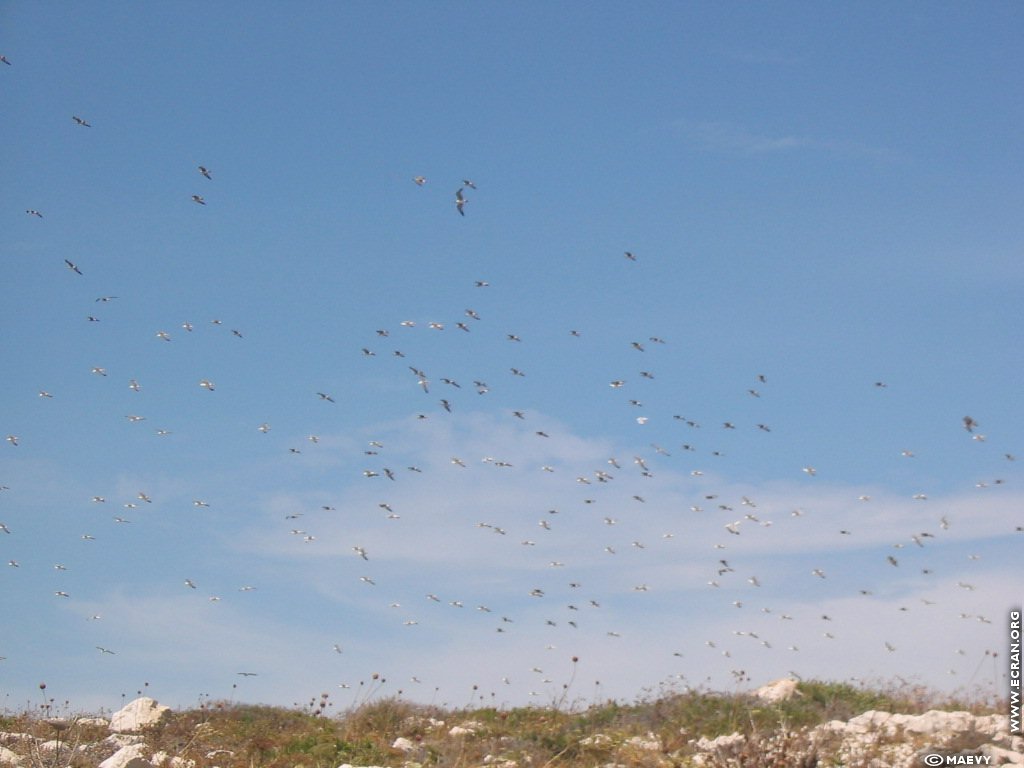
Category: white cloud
<point>725,136</point>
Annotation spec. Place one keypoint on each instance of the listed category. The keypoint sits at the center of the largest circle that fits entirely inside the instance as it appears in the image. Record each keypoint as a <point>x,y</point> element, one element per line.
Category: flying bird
<point>73,267</point>
<point>80,121</point>
<point>198,199</point>
<point>34,212</point>
<point>205,171</point>
<point>460,201</point>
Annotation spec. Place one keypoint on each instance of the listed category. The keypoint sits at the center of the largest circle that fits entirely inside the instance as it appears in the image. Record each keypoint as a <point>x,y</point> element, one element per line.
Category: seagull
<point>101,649</point>
<point>969,423</point>
<point>419,180</point>
<point>73,267</point>
<point>198,199</point>
<point>324,396</point>
<point>80,121</point>
<point>12,439</point>
<point>205,171</point>
<point>5,60</point>
<point>460,201</point>
<point>33,212</point>
<point>247,674</point>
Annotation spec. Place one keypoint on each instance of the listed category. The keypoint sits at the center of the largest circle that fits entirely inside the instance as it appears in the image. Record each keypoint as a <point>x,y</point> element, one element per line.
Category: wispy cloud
<point>729,137</point>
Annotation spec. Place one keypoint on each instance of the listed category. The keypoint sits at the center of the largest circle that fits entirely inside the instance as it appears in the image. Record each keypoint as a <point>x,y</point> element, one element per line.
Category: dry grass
<point>654,731</point>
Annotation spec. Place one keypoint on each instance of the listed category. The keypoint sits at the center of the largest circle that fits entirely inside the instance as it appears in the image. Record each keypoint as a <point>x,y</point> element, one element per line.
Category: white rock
<point>1002,756</point>
<point>7,757</point>
<point>466,729</point>
<point>131,756</point>
<point>649,743</point>
<point>117,740</point>
<point>138,715</point>
<point>162,758</point>
<point>779,690</point>
<point>404,745</point>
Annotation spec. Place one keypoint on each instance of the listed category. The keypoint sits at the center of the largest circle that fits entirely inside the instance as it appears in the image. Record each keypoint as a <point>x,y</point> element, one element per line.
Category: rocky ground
<point>145,734</point>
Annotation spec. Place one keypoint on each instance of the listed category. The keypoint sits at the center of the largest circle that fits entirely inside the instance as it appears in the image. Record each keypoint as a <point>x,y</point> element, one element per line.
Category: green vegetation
<point>657,731</point>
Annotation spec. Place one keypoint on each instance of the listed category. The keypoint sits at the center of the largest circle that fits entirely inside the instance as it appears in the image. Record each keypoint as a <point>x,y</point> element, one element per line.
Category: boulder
<point>779,690</point>
<point>128,757</point>
<point>9,757</point>
<point>138,715</point>
<point>404,745</point>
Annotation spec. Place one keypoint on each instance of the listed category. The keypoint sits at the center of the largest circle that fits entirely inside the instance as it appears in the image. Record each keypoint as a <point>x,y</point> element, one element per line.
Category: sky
<point>677,399</point>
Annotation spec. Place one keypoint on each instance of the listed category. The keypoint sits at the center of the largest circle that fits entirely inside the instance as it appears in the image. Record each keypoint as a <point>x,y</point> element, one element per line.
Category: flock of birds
<point>615,524</point>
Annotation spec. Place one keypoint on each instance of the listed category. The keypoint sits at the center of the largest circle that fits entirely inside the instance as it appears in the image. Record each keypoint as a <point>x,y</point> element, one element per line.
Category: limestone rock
<point>138,715</point>
<point>128,757</point>
<point>466,729</point>
<point>404,745</point>
<point>7,757</point>
<point>779,690</point>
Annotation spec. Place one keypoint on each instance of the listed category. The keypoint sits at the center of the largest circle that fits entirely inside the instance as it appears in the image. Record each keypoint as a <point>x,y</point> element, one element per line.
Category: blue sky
<point>825,196</point>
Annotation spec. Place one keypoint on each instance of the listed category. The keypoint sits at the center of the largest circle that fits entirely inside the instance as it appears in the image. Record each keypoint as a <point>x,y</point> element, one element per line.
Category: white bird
<point>205,171</point>
<point>460,201</point>
<point>198,199</point>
